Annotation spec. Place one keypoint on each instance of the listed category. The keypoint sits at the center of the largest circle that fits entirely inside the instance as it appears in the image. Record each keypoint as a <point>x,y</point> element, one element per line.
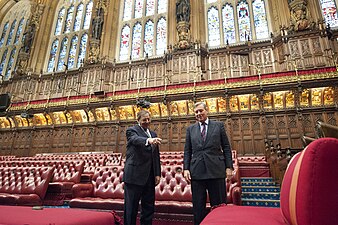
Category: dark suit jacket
<point>140,159</point>
<point>207,159</point>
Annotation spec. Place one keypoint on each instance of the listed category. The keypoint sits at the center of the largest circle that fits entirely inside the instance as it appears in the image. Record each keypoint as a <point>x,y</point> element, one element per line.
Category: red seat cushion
<point>244,215</point>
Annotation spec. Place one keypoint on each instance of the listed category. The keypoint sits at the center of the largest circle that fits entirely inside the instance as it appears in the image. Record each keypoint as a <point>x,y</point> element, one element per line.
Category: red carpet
<point>15,215</point>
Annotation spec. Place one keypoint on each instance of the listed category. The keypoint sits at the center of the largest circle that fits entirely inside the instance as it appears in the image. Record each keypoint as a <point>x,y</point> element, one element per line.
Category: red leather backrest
<point>68,171</point>
<point>167,162</point>
<point>107,182</point>
<point>173,186</point>
<point>25,180</point>
<point>171,155</point>
<point>114,159</point>
<point>92,163</point>
<point>243,159</point>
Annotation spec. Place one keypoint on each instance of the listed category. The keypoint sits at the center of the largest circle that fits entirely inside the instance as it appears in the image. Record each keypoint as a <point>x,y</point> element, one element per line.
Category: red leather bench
<point>173,194</point>
<point>91,161</point>
<point>65,175</point>
<point>104,192</point>
<point>25,186</point>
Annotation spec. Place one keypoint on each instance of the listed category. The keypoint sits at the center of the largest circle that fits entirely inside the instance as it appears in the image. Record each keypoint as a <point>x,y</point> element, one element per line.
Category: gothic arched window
<point>233,21</point>
<point>71,25</point>
<point>83,47</point>
<point>149,38</point>
<point>329,10</point>
<point>161,36</point>
<point>260,20</point>
<point>228,24</point>
<point>244,25</point>
<point>11,37</point>
<point>143,30</point>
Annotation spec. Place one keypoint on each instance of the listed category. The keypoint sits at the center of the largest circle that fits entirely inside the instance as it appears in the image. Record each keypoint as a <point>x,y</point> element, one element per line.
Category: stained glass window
<point>62,55</point>
<point>3,60</point>
<point>244,26</point>
<point>10,67</point>
<point>82,52</point>
<point>136,44</point>
<point>69,19</point>
<point>329,11</point>
<point>59,21</point>
<point>4,31</point>
<point>138,8</point>
<point>88,15</point>
<point>11,35</point>
<point>228,24</point>
<point>72,52</point>
<point>125,39</point>
<point>52,56</point>
<point>11,31</point>
<point>261,23</point>
<point>78,18</point>
<point>162,6</point>
<point>161,34</point>
<point>213,27</point>
<point>18,32</point>
<point>142,39</point>
<point>71,26</point>
<point>128,5</point>
<point>150,9</point>
<point>149,38</point>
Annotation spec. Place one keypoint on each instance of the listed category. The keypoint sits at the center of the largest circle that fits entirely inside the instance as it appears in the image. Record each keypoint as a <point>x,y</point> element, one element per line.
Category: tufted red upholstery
<point>171,155</point>
<point>114,159</point>
<point>64,171</point>
<point>309,193</point>
<point>66,174</point>
<point>92,162</point>
<point>173,194</point>
<point>7,157</point>
<point>24,185</point>
<point>104,192</point>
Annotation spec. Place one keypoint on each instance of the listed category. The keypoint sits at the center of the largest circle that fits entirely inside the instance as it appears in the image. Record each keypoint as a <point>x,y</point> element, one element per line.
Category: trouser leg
<point>217,191</point>
<point>132,195</point>
<point>148,201</point>
<point>199,197</point>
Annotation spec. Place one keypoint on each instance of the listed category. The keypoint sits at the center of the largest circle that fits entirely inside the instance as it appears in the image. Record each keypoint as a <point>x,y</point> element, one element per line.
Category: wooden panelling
<point>22,143</point>
<point>246,133</point>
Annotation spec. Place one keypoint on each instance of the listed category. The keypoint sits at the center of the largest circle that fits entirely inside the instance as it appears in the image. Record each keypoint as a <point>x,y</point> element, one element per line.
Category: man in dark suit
<point>207,161</point>
<point>141,171</point>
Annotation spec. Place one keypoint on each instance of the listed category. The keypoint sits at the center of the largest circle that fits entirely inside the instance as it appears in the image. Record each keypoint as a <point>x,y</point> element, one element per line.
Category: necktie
<point>203,132</point>
<point>147,132</point>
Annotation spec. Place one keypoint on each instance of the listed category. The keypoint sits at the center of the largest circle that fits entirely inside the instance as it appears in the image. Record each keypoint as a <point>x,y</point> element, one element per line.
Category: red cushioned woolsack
<point>309,194</point>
